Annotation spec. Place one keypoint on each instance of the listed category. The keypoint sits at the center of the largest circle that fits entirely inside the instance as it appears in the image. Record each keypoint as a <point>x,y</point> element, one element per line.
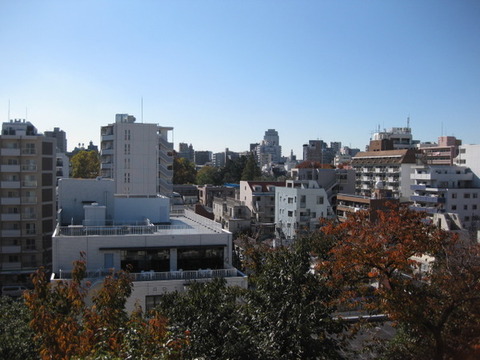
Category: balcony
<point>107,137</point>
<point>9,152</point>
<point>10,168</point>
<point>32,168</point>
<point>10,233</point>
<point>13,249</point>
<point>428,199</point>
<point>29,184</point>
<point>10,200</point>
<point>29,216</point>
<point>11,266</point>
<point>10,184</point>
<point>28,151</point>
<point>107,165</point>
<point>29,200</point>
<point>107,151</point>
<point>418,187</point>
<point>10,217</point>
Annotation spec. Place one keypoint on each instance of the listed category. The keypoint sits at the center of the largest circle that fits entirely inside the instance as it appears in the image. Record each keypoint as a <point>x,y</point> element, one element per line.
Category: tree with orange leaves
<point>435,303</point>
<point>66,328</point>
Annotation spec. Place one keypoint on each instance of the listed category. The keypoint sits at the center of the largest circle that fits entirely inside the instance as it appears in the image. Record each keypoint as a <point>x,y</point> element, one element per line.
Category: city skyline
<point>222,73</point>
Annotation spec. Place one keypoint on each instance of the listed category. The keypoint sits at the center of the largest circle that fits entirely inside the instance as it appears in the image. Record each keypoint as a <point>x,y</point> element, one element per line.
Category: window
<point>290,213</point>
<point>30,244</point>
<point>466,196</point>
<point>454,195</point>
<point>475,195</point>
<point>465,207</point>
<point>290,200</point>
<point>151,302</point>
<point>108,261</point>
<point>30,228</point>
<point>454,207</point>
<point>320,200</point>
<point>13,258</point>
<point>467,218</point>
<point>474,207</point>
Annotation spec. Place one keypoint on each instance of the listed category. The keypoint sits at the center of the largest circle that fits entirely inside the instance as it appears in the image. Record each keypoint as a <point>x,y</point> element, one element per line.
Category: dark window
<point>47,148</point>
<point>47,163</point>
<point>47,179</point>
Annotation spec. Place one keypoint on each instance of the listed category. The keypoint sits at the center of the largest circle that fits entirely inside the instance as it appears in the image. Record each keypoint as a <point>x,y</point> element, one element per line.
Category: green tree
<point>85,164</point>
<point>251,170</point>
<point>184,171</point>
<point>438,307</point>
<point>232,172</point>
<point>209,175</point>
<point>286,314</point>
<point>16,337</point>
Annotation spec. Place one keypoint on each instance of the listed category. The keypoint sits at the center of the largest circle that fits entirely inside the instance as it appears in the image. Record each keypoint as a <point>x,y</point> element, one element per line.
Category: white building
<point>137,156</point>
<point>446,189</point>
<point>165,253</point>
<point>269,151</point>
<point>469,156</point>
<point>299,206</point>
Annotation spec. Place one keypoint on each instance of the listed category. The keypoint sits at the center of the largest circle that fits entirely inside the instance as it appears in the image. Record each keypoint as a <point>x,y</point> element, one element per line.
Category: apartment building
<point>259,197</point>
<point>27,200</point>
<point>392,167</point>
<point>442,153</point>
<point>298,207</point>
<point>469,156</point>
<point>446,189</point>
<point>165,252</point>
<point>137,156</point>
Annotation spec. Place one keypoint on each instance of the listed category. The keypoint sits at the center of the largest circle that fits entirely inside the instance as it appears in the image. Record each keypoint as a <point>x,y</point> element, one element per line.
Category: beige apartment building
<point>27,200</point>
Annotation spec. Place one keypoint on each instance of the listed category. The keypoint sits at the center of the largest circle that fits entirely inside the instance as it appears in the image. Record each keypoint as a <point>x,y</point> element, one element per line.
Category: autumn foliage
<point>66,328</point>
<point>423,278</point>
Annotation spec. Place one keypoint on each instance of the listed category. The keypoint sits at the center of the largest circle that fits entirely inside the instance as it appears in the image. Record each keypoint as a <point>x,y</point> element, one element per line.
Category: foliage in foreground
<point>437,308</point>
<point>66,328</point>
<point>286,315</point>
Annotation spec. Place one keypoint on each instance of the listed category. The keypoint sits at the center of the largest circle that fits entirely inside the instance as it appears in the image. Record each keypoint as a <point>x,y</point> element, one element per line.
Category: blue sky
<point>223,72</point>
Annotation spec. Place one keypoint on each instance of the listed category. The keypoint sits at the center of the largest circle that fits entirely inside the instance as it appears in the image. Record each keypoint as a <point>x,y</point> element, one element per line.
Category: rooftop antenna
<point>408,121</point>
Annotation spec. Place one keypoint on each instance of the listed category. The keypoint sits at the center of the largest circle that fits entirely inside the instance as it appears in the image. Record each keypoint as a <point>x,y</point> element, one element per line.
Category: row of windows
<point>465,207</point>
<point>466,195</point>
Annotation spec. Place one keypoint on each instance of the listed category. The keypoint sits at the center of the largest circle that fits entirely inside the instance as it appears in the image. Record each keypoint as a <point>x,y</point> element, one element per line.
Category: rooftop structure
<point>165,252</point>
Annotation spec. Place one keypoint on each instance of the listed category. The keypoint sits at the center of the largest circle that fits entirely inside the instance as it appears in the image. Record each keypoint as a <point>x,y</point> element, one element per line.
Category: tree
<point>251,170</point>
<point>85,164</point>
<point>286,314</point>
<point>439,305</point>
<point>16,337</point>
<point>65,327</point>
<point>184,171</point>
<point>232,172</point>
<point>209,175</point>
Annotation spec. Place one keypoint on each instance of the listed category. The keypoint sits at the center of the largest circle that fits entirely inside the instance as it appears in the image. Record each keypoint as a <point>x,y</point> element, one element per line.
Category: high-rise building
<point>186,151</point>
<point>269,150</point>
<point>60,137</point>
<point>137,156</point>
<point>27,200</point>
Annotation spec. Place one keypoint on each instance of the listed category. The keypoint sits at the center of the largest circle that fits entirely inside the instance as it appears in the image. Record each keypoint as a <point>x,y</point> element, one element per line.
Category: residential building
<point>232,214</point>
<point>259,197</point>
<point>61,139</point>
<point>442,153</point>
<point>165,253</point>
<point>446,189</point>
<point>202,157</point>
<point>395,138</point>
<point>27,200</point>
<point>392,167</point>
<point>348,203</point>
<point>469,156</point>
<point>298,207</point>
<point>207,193</point>
<point>138,156</point>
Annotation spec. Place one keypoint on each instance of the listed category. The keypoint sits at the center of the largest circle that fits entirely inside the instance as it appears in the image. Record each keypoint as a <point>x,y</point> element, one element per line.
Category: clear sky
<point>223,72</point>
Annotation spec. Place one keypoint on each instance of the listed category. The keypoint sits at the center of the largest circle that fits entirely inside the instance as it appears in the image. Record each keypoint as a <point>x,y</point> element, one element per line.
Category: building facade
<point>27,200</point>
<point>298,207</point>
<point>137,156</point>
<point>392,167</point>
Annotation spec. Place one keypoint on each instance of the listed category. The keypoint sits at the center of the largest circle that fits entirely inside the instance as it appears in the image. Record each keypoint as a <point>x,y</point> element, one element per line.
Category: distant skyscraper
<point>61,139</point>
<point>138,156</point>
<point>269,151</point>
<point>27,200</point>
<point>186,151</point>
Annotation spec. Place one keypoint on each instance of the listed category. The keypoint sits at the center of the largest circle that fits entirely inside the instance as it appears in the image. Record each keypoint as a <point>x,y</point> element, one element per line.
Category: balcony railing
<point>159,276</point>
